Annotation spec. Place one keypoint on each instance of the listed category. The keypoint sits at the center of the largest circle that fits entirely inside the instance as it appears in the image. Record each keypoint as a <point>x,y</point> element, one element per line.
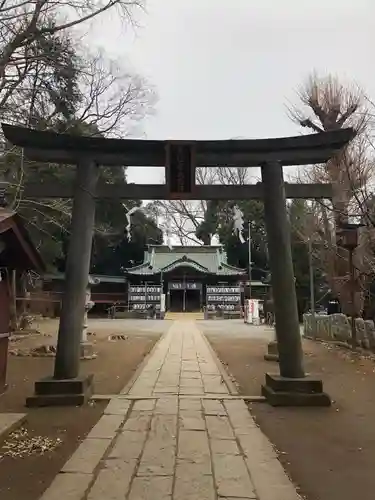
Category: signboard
<point>223,289</point>
<point>180,168</point>
<point>142,289</point>
<point>223,297</point>
<point>176,286</point>
<point>143,297</point>
<point>144,306</point>
<point>180,285</point>
<point>222,307</point>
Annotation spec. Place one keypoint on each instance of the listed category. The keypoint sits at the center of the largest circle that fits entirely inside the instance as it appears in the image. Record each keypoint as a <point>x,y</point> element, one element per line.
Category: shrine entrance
<point>180,159</point>
<point>184,296</point>
<point>192,301</point>
<point>176,301</point>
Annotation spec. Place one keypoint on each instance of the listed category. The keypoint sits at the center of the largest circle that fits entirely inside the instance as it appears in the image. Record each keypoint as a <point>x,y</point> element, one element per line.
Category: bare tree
<point>102,100</point>
<point>183,218</point>
<point>24,24</point>
<point>112,99</point>
<point>330,105</point>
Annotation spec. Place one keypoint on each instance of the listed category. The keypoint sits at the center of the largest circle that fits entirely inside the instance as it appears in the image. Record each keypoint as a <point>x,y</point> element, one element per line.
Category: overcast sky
<point>228,68</point>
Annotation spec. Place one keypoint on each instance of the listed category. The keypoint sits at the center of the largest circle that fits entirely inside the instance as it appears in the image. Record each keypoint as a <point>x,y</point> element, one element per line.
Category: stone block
<point>370,333</point>
<point>282,391</point>
<point>190,404</point>
<point>166,406</point>
<point>164,426</point>
<point>191,375</point>
<point>192,483</point>
<point>89,453</point>
<point>213,407</point>
<point>159,458</point>
<point>191,382</point>
<point>272,353</point>
<point>159,455</point>
<point>362,339</point>
<point>128,446</point>
<point>9,422</point>
<point>50,385</point>
<point>340,327</point>
<point>305,384</point>
<point>151,488</point>
<point>256,445</point>
<point>113,481</point>
<point>144,405</point>
<point>191,420</point>
<point>71,486</point>
<point>224,447</point>
<point>219,427</point>
<point>193,448</point>
<point>239,416</point>
<point>69,392</point>
<point>117,407</point>
<point>232,477</point>
<point>87,351</point>
<point>270,479</point>
<point>192,391</point>
<point>138,421</point>
<point>107,427</point>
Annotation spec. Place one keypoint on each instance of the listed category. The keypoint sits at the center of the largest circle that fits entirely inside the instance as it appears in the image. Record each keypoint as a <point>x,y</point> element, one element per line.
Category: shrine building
<point>191,277</point>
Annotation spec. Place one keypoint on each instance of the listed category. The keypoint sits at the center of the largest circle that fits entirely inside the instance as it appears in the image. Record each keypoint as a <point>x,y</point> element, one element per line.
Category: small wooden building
<point>17,253</point>
<point>107,291</point>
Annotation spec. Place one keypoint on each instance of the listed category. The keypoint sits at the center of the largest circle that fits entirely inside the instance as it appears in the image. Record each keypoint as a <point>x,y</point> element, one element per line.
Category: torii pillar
<point>66,386</point>
<point>291,387</point>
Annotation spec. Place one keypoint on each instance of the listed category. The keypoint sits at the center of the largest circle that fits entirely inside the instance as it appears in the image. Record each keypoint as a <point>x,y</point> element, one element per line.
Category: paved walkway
<point>177,434</point>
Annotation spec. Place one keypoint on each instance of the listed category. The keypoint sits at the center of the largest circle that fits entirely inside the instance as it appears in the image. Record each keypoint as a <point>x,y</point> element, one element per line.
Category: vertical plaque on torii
<point>180,168</point>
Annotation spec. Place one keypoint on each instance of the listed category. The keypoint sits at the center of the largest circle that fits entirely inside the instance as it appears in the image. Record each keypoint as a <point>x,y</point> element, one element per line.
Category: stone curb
<point>231,386</point>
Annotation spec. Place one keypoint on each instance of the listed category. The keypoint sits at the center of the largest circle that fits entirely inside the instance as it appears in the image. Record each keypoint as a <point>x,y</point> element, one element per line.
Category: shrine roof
<point>204,259</point>
<point>19,251</point>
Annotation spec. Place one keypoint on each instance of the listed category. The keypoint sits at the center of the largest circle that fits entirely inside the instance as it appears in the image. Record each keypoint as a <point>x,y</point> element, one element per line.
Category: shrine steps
<point>184,316</point>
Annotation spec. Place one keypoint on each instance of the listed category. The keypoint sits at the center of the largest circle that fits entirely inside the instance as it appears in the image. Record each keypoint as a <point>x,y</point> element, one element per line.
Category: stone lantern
<point>348,237</point>
<point>87,348</point>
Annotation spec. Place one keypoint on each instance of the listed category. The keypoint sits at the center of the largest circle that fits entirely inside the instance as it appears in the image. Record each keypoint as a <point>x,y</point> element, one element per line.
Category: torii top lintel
<point>52,147</point>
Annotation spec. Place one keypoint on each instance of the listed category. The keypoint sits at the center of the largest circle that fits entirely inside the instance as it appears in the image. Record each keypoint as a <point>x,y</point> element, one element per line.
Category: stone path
<point>177,434</point>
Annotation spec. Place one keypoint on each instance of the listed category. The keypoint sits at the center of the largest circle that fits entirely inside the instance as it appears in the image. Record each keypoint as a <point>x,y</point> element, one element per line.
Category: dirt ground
<point>27,477</point>
<point>328,452</point>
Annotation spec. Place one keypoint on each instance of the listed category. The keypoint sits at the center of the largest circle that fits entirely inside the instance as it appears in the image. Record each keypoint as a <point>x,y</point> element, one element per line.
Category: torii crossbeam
<point>180,159</point>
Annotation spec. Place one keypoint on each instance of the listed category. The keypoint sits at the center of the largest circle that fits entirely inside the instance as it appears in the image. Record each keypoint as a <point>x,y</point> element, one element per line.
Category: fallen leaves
<point>20,444</point>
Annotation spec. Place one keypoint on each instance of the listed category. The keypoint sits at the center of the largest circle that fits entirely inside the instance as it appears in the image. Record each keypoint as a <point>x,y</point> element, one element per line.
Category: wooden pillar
<point>4,331</point>
<point>77,271</point>
<point>281,264</point>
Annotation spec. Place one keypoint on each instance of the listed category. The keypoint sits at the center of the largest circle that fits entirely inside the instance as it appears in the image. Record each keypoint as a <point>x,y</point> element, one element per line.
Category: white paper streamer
<point>129,213</point>
<point>238,222</point>
<point>168,234</point>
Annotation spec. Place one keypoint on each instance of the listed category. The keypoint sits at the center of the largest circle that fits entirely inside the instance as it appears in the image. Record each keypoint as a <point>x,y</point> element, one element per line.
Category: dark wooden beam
<point>160,191</point>
<point>255,191</point>
<point>209,159</point>
<point>44,146</point>
<point>254,159</point>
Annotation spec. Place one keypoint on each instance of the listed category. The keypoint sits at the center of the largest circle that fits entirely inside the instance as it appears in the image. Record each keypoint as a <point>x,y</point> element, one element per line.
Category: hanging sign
<point>223,297</point>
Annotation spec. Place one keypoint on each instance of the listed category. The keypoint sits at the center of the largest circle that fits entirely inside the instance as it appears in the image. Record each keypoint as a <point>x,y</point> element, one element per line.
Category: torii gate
<point>180,159</point>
